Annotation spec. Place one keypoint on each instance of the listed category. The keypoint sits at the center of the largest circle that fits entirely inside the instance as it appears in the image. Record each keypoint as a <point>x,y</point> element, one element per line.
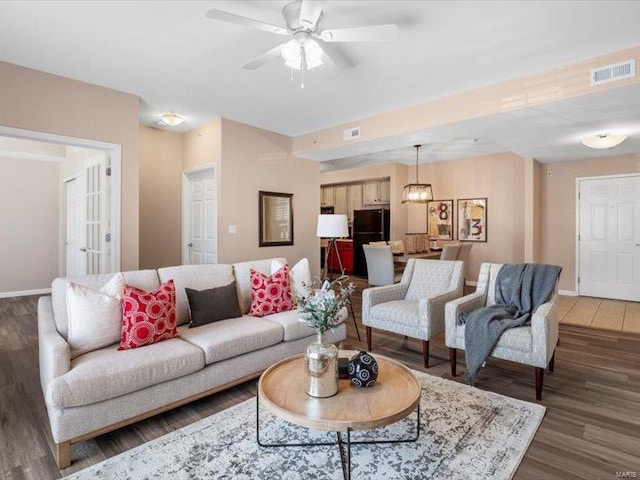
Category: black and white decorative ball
<point>363,370</point>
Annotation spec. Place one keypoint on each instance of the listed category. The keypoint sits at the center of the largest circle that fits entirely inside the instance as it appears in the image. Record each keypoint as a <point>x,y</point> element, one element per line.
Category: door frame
<point>186,201</point>
<point>577,212</point>
<point>114,153</point>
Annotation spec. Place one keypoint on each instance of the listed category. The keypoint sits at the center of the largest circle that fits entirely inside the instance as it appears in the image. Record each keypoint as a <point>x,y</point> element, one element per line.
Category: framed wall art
<point>472,219</point>
<point>276,219</point>
<point>440,219</point>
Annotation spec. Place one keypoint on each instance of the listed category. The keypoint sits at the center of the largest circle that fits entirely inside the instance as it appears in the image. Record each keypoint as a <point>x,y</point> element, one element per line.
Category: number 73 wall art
<point>472,219</point>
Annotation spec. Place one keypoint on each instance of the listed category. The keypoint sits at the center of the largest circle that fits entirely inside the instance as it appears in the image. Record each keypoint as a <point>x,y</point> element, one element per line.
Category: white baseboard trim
<point>568,293</point>
<point>471,284</point>
<point>24,293</point>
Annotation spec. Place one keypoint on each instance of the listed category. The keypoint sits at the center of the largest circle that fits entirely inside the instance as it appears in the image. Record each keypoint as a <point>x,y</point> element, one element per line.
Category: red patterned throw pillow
<point>148,317</point>
<point>270,294</point>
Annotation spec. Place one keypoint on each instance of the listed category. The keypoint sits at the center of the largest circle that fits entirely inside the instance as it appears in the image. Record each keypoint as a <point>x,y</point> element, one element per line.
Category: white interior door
<point>96,219</point>
<point>76,231</point>
<point>200,222</point>
<point>609,237</point>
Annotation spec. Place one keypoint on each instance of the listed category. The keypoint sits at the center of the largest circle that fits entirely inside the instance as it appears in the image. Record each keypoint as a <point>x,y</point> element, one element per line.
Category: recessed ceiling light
<point>604,140</point>
<point>171,119</point>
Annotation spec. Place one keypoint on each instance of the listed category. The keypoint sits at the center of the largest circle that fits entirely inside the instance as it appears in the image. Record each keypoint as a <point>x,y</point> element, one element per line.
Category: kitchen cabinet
<point>327,197</point>
<point>355,199</point>
<point>340,200</point>
<point>345,250</point>
<point>376,192</point>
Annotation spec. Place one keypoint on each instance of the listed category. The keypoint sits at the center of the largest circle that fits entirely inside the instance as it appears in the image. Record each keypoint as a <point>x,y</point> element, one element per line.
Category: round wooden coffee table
<point>282,391</point>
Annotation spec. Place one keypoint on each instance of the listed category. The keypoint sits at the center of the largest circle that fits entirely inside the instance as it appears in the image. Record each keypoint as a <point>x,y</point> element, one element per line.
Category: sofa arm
<point>375,295</point>
<point>432,311</point>
<point>544,331</point>
<point>53,350</point>
<point>454,308</point>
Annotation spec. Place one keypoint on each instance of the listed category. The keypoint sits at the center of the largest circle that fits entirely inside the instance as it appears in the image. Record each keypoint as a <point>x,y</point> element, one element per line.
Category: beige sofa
<point>106,389</point>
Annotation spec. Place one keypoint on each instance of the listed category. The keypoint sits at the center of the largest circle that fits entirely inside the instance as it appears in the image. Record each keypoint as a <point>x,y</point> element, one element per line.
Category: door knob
<point>190,245</point>
<point>83,249</point>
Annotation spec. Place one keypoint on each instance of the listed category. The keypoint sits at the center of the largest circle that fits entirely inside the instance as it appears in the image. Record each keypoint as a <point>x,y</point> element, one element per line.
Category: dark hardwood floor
<point>591,429</point>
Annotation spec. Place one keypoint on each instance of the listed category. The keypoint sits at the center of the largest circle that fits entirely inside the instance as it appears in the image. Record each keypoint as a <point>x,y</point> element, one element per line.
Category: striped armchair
<point>415,306</point>
<point>529,345</point>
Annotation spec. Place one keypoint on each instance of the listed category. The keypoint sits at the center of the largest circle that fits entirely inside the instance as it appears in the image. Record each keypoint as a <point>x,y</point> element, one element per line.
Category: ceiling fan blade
<point>263,58</point>
<point>371,33</point>
<point>310,12</point>
<point>335,56</point>
<point>248,22</point>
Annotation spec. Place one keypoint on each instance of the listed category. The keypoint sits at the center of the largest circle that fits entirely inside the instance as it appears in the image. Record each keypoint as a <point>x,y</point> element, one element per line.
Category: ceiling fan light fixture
<point>292,53</point>
<point>171,119</point>
<point>417,192</point>
<point>604,140</point>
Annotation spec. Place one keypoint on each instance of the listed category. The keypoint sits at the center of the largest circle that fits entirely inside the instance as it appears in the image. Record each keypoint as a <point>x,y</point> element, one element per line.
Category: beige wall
<point>160,197</point>
<point>254,160</point>
<point>398,178</point>
<point>42,102</point>
<point>28,224</point>
<point>498,177</point>
<point>558,219</point>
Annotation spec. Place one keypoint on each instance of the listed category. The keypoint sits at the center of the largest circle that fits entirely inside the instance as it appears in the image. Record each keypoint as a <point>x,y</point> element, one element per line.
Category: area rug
<point>465,433</point>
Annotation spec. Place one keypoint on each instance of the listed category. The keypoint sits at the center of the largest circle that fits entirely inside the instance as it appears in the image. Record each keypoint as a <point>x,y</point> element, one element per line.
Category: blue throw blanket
<point>520,290</point>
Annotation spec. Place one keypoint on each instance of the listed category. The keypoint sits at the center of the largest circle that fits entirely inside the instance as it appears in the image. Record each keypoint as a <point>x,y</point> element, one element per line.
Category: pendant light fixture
<point>417,192</point>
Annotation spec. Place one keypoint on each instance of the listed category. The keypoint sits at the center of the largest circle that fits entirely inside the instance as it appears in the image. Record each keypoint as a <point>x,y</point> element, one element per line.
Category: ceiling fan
<point>310,46</point>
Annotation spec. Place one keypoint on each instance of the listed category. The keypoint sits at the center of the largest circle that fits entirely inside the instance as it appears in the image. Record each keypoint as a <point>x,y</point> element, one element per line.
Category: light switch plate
<point>233,229</point>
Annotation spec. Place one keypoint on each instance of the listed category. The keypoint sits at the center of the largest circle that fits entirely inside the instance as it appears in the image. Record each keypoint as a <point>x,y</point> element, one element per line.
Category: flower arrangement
<point>325,307</point>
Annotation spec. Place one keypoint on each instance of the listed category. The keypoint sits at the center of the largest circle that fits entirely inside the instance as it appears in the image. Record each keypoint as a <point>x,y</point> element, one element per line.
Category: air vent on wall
<point>351,133</point>
<point>611,73</point>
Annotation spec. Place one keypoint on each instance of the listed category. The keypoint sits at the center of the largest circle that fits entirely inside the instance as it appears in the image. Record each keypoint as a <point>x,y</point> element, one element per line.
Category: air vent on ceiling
<point>351,133</point>
<point>611,73</point>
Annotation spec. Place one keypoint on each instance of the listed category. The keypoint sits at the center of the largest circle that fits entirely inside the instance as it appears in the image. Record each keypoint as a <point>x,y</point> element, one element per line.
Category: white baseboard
<point>24,293</point>
<point>471,284</point>
<point>568,293</point>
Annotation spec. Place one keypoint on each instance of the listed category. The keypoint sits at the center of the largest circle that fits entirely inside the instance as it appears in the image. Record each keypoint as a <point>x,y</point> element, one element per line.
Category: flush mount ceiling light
<point>417,192</point>
<point>171,119</point>
<point>604,140</point>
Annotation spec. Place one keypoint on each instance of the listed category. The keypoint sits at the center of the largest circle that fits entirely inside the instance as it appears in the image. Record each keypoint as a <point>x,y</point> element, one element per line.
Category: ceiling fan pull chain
<point>303,64</point>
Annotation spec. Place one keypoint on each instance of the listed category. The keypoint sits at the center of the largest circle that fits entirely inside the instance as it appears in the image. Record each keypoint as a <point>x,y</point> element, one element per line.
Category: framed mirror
<point>276,219</point>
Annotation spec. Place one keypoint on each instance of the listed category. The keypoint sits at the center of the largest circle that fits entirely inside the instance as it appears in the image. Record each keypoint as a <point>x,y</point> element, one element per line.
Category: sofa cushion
<point>148,317</point>
<point>270,293</point>
<point>197,277</point>
<point>95,317</point>
<point>109,373</point>
<point>396,312</point>
<point>241,272</point>
<point>519,338</point>
<point>291,324</point>
<point>232,337</point>
<point>143,279</point>
<point>299,277</point>
<point>213,304</point>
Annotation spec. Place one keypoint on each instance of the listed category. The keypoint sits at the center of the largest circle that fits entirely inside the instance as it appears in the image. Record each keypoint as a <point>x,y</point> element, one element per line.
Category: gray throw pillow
<point>213,304</point>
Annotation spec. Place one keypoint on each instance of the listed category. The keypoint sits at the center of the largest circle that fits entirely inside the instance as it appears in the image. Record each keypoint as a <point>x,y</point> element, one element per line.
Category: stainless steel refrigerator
<point>368,226</point>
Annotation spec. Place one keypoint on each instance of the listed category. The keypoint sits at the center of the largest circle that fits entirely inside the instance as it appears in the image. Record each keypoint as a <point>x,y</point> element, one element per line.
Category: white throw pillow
<point>95,316</point>
<point>299,275</point>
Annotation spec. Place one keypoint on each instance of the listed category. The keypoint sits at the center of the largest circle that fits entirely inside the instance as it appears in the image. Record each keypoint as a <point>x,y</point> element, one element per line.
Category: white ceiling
<point>176,59</point>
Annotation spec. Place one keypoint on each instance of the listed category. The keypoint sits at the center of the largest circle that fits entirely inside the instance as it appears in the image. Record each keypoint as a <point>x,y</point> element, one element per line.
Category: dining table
<point>404,258</point>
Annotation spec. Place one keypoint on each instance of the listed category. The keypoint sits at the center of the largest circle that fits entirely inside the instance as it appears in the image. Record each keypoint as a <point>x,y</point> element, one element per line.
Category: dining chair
<point>380,265</point>
<point>463,255</point>
<point>450,251</point>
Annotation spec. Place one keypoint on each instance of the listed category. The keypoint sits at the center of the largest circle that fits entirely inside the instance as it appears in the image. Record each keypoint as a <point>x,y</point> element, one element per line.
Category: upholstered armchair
<point>415,306</point>
<point>532,344</point>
